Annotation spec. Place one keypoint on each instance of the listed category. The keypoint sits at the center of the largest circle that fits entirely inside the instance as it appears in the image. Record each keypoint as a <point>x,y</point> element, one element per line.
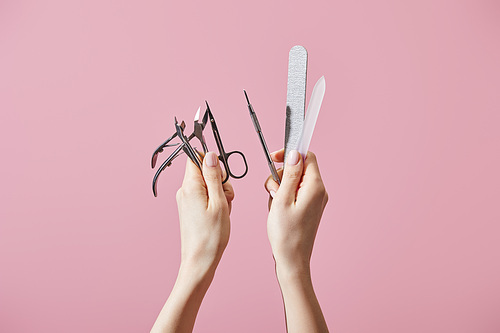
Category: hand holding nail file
<point>311,116</point>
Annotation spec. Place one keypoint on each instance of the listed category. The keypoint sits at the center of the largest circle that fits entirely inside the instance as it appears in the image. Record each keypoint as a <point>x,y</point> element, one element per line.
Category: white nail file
<point>311,116</point>
<point>295,96</point>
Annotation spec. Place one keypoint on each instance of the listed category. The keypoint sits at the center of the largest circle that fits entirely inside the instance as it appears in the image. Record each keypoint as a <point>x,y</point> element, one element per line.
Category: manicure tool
<point>197,133</point>
<point>311,116</point>
<point>186,147</point>
<point>262,141</point>
<point>164,145</point>
<point>223,156</point>
<point>295,97</point>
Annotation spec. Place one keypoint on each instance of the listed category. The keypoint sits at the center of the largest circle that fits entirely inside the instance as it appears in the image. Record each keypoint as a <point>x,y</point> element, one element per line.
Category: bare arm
<point>296,207</point>
<point>204,205</point>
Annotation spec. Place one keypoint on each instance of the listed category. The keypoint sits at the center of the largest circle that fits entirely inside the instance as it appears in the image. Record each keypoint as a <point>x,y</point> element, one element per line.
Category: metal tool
<point>164,145</point>
<point>223,156</point>
<point>185,147</point>
<point>197,133</point>
<point>256,124</point>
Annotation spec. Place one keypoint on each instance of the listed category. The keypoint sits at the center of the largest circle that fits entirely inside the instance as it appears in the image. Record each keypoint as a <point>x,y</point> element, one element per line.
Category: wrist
<point>180,310</point>
<point>200,261</point>
<point>196,271</point>
<point>288,271</point>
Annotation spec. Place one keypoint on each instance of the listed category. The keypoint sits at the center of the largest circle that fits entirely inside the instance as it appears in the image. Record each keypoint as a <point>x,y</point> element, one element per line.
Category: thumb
<point>212,174</point>
<point>291,177</point>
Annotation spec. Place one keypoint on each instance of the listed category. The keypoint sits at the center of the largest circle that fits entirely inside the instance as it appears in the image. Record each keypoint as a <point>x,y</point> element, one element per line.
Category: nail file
<point>311,116</point>
<point>295,96</point>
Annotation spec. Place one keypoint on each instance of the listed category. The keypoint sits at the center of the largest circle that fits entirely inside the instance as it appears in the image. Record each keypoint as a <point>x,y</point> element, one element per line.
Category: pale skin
<point>295,210</point>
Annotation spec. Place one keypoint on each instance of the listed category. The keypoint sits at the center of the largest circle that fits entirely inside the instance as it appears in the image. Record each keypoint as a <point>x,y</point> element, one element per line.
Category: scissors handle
<point>225,161</point>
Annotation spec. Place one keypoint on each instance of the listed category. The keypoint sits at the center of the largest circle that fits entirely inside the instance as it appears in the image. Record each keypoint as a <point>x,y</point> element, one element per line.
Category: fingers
<point>311,169</point>
<point>310,164</point>
<point>278,156</point>
<point>312,187</point>
<point>192,178</point>
<point>228,191</point>
<point>309,178</point>
<point>212,174</point>
<point>291,178</point>
<point>271,185</point>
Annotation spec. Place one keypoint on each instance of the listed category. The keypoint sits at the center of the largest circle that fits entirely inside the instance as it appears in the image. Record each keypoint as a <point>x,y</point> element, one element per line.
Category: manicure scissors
<point>223,156</point>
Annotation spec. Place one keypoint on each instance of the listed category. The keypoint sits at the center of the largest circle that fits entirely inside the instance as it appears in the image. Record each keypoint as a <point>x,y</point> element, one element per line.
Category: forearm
<point>302,309</point>
<point>180,310</point>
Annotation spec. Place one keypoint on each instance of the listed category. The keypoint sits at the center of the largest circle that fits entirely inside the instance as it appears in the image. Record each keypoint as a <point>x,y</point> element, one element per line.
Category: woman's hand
<point>204,205</point>
<point>295,210</point>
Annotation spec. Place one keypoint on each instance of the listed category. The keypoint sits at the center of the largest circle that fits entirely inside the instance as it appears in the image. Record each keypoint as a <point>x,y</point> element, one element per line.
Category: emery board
<point>295,97</point>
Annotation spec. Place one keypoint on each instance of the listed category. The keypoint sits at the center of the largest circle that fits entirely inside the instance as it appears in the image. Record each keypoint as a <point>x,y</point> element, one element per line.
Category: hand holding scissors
<point>186,147</point>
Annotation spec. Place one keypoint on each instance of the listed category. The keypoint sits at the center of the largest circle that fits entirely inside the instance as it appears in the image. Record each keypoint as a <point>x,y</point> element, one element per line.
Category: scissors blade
<point>211,117</point>
<point>205,119</point>
<point>186,147</point>
<point>197,116</point>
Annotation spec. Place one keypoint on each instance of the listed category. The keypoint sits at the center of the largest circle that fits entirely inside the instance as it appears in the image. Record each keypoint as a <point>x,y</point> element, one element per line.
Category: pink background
<point>407,142</point>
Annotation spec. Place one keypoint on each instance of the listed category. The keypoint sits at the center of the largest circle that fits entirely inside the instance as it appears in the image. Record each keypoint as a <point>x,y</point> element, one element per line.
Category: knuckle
<point>279,204</point>
<point>320,192</point>
<point>211,177</point>
<point>218,208</point>
<point>188,188</point>
<point>229,194</point>
<point>316,179</point>
<point>178,195</point>
<point>311,157</point>
<point>295,174</point>
<point>268,182</point>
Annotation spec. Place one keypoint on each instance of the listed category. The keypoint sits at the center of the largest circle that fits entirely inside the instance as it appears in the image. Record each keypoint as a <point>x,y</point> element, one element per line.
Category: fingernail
<point>272,193</point>
<point>211,159</point>
<point>293,157</point>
